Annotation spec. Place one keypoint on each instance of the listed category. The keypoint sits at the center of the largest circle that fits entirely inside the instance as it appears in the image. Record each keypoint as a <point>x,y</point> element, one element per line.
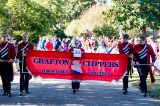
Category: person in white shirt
<point>103,48</point>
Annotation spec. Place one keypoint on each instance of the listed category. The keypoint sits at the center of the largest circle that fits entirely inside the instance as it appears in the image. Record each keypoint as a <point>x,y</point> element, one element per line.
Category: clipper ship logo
<point>76,67</point>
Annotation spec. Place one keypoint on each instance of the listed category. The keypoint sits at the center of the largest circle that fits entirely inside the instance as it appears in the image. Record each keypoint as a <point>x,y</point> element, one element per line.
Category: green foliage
<point>60,33</point>
<point>130,14</point>
<point>67,10</point>
<point>154,88</point>
<point>106,30</point>
<point>26,16</point>
<point>39,17</point>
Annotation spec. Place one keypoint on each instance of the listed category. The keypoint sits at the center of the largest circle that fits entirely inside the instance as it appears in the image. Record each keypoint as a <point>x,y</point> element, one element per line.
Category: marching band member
<point>76,83</point>
<point>7,55</point>
<point>126,48</point>
<point>142,54</point>
<point>21,55</point>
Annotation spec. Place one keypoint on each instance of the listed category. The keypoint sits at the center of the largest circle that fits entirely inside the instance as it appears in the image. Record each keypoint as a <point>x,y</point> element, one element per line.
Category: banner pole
<point>8,61</point>
<point>22,60</point>
<point>142,64</point>
<point>23,63</point>
<point>131,66</point>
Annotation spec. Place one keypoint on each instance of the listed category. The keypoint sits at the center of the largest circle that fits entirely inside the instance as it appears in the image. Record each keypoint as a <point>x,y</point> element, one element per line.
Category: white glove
<point>137,63</point>
<point>23,54</point>
<point>16,60</point>
<point>11,61</point>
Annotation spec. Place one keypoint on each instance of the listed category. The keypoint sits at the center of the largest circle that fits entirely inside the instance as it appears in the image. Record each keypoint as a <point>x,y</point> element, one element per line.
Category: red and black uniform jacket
<point>142,54</point>
<point>22,47</point>
<point>7,52</point>
<point>126,48</point>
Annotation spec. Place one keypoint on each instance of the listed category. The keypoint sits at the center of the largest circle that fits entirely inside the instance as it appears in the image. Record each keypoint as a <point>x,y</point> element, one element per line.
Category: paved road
<point>59,93</point>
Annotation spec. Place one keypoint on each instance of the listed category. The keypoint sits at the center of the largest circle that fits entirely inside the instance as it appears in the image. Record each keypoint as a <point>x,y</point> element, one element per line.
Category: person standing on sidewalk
<point>7,56</point>
<point>21,55</point>
<point>126,48</point>
<point>142,54</point>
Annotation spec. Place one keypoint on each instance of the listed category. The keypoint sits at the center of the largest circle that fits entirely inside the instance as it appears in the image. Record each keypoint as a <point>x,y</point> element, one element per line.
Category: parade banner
<point>62,65</point>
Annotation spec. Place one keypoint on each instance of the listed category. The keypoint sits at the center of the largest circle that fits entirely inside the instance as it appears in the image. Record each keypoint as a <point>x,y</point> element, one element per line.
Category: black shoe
<point>125,92</point>
<point>142,91</point>
<point>145,94</point>
<point>9,94</point>
<point>27,91</point>
<point>4,93</point>
<point>74,91</point>
<point>77,90</point>
<point>20,93</point>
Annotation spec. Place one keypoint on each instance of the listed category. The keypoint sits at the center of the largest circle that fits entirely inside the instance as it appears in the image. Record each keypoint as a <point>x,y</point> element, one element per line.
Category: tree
<point>27,16</point>
<point>67,10</point>
<point>130,14</point>
<point>106,30</point>
<point>39,17</point>
<point>90,18</point>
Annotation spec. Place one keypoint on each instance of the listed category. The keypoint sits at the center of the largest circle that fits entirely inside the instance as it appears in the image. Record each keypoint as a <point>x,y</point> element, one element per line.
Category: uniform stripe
<point>126,49</point>
<point>25,47</point>
<point>143,56</point>
<point>4,51</point>
<point>143,49</point>
<point>4,47</point>
<point>4,54</point>
<point>127,52</point>
<point>126,46</point>
<point>143,52</point>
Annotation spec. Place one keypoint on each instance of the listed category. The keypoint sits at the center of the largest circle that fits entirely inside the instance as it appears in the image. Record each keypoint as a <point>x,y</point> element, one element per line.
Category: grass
<point>153,88</point>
